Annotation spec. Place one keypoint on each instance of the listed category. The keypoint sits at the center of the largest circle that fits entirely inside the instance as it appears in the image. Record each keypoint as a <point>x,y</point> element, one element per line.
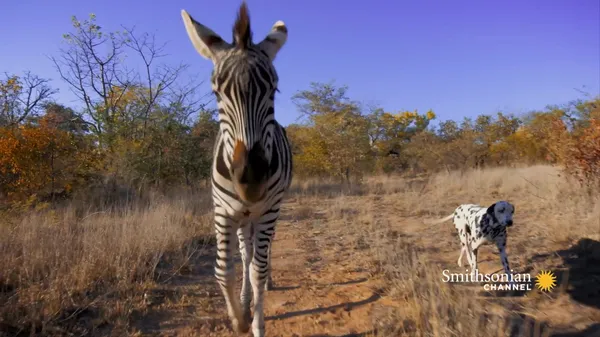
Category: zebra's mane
<point>242,34</point>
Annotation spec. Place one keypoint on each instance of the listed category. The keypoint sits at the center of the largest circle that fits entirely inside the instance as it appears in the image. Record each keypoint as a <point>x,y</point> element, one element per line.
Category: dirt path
<point>325,280</point>
<point>320,290</point>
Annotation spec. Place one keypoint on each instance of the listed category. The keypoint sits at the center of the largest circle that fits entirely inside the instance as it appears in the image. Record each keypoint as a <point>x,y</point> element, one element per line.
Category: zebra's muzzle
<point>249,170</point>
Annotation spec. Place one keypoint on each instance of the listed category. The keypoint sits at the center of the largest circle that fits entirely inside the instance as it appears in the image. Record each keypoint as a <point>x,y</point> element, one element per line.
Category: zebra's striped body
<point>252,166</point>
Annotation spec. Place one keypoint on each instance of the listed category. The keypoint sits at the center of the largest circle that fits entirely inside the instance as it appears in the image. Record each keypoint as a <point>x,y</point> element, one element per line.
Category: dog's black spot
<point>468,229</point>
<point>491,212</point>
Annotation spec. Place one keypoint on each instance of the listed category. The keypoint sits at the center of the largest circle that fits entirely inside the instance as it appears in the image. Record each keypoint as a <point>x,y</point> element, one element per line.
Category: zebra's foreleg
<point>246,250</point>
<point>269,280</point>
<point>224,270</point>
<point>260,268</point>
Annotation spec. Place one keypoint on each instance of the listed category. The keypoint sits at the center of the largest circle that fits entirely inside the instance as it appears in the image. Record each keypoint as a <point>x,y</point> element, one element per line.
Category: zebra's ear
<point>275,40</point>
<point>207,43</point>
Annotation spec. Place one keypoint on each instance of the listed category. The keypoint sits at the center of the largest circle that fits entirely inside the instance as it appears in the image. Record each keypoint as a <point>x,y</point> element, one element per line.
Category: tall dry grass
<point>59,265</point>
<point>379,213</point>
<point>558,212</point>
<point>426,306</point>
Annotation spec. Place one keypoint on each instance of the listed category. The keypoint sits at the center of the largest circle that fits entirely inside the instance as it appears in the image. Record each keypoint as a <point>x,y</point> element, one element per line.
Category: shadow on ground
<point>524,326</point>
<point>356,334</point>
<point>390,322</point>
<point>346,306</point>
<point>580,272</point>
<point>197,269</point>
<point>591,331</point>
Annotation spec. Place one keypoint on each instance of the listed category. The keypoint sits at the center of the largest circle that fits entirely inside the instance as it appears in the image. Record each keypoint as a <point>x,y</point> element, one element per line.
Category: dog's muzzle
<point>509,223</point>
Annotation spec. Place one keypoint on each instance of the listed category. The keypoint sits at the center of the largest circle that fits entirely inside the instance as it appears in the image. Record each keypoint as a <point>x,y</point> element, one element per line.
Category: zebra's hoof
<point>241,327</point>
<point>247,316</point>
<point>258,332</point>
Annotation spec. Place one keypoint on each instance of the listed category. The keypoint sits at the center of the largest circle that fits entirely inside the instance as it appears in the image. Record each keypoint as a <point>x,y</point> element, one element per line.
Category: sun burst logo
<point>545,280</point>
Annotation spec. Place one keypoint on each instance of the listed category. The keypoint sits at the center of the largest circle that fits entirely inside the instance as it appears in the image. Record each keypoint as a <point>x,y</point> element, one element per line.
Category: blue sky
<point>459,58</point>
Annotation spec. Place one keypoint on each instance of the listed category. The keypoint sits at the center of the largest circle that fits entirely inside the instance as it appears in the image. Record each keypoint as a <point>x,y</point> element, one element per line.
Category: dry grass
<point>59,266</point>
<point>382,219</point>
<point>552,214</point>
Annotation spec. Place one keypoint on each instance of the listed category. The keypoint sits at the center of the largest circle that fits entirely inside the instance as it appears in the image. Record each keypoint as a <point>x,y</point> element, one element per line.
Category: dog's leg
<point>470,248</point>
<point>462,252</point>
<point>472,252</point>
<point>501,244</point>
<point>462,237</point>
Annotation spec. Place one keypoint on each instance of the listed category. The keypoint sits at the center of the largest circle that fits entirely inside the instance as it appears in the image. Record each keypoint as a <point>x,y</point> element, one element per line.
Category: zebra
<point>252,161</point>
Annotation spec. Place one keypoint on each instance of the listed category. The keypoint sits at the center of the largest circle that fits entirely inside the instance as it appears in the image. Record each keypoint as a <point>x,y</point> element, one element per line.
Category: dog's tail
<point>435,222</point>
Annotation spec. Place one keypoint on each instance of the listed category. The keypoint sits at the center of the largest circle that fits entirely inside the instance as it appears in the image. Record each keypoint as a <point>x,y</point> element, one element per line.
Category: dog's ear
<point>490,210</point>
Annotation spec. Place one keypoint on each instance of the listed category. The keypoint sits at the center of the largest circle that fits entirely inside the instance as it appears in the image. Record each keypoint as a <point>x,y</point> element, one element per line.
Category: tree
<point>491,138</point>
<point>22,97</point>
<point>339,130</point>
<point>392,132</point>
<point>583,158</point>
<point>63,118</point>
<point>93,65</point>
<point>198,153</point>
<point>311,157</point>
<point>36,160</point>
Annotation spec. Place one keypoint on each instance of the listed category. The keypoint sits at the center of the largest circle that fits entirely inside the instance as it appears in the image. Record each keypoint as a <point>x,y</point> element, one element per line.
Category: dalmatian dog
<point>477,225</point>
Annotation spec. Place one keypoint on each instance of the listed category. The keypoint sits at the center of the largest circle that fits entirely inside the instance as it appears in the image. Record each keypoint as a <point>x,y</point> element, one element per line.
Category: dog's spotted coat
<point>477,225</point>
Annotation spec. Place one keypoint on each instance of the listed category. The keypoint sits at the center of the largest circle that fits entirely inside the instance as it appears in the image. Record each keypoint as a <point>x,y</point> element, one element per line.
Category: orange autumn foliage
<point>34,160</point>
<point>583,156</point>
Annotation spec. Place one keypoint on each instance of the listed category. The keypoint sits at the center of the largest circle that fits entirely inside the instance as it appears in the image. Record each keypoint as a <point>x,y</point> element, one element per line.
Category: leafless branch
<point>103,71</point>
<point>22,97</point>
<point>156,79</point>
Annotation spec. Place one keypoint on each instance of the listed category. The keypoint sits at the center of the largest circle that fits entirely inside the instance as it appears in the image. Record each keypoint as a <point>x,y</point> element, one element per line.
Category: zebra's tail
<point>249,172</point>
